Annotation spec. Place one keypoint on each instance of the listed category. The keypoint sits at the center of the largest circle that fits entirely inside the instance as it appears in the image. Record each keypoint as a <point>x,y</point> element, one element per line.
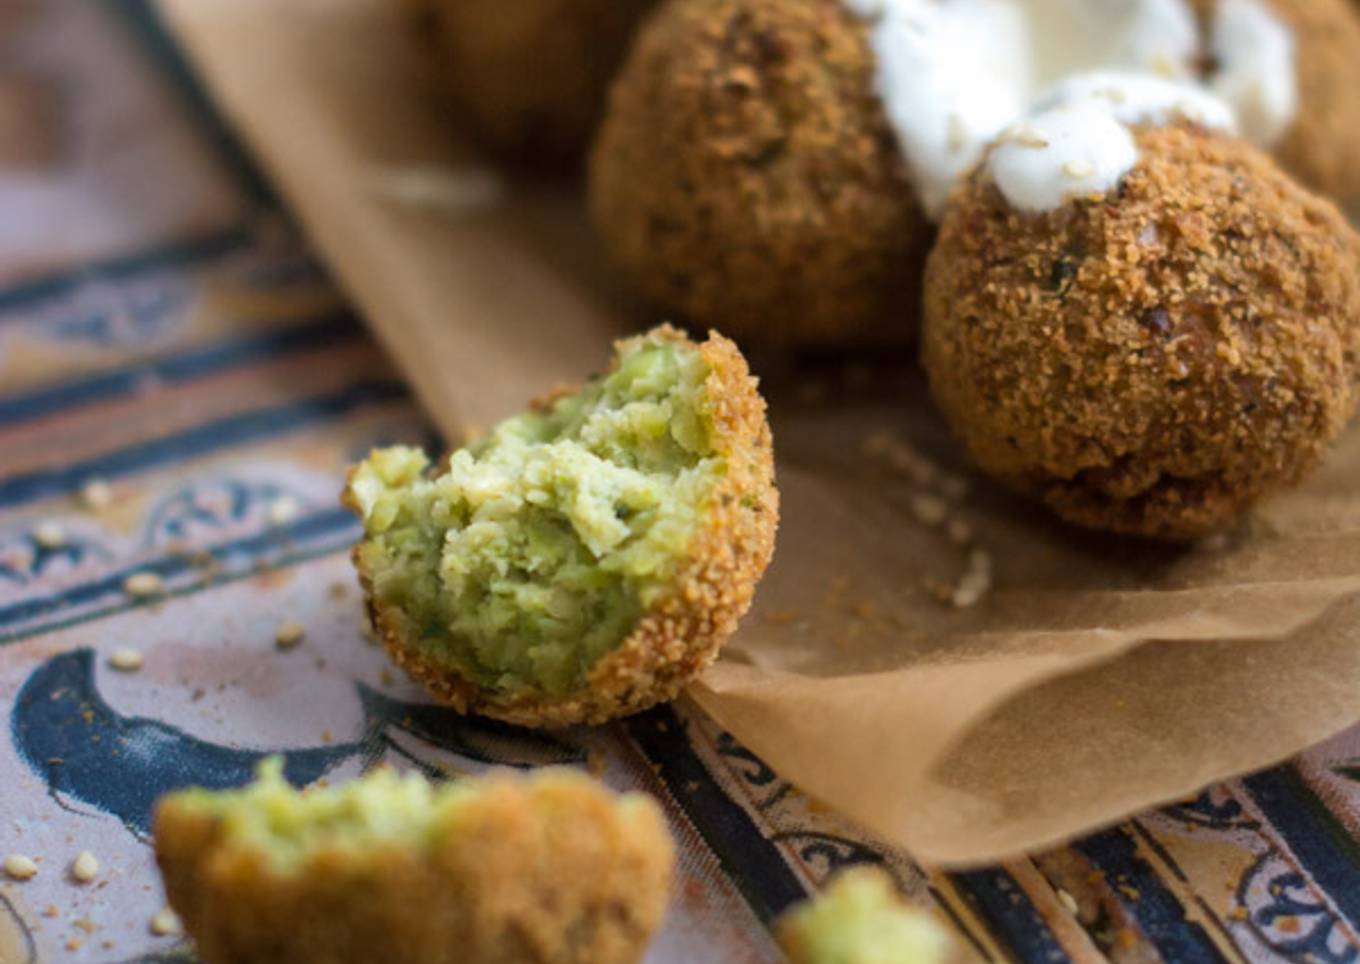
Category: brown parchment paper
<point>1099,676</point>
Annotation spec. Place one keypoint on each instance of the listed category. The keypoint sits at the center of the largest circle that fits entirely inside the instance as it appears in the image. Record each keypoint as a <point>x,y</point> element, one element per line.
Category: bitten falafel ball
<point>530,77</point>
<point>586,559</point>
<point>745,175</point>
<point>1321,144</point>
<point>1154,359</point>
<point>548,868</point>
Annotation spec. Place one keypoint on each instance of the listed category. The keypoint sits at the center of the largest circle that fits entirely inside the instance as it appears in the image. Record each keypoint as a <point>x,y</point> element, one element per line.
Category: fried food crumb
<point>143,585</point>
<point>96,494</point>
<point>21,867</point>
<point>126,660</point>
<point>166,923</point>
<point>289,635</point>
<point>85,867</point>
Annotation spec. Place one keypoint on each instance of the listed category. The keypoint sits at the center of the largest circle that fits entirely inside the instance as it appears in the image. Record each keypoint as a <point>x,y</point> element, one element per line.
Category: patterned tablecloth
<point>164,330</point>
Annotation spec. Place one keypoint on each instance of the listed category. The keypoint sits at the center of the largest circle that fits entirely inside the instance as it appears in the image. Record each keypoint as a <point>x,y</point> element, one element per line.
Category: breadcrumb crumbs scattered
<point>85,924</point>
<point>85,867</point>
<point>20,867</point>
<point>50,910</point>
<point>49,535</point>
<point>289,635</point>
<point>778,617</point>
<point>74,943</point>
<point>165,923</point>
<point>96,494</point>
<point>126,660</point>
<point>143,585</point>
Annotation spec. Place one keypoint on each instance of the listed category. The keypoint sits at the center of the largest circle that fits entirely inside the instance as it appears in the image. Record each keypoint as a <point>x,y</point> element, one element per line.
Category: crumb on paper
<point>929,510</point>
<point>21,867</point>
<point>289,635</point>
<point>779,617</point>
<point>976,581</point>
<point>85,867</point>
<point>126,660</point>
<point>143,585</point>
<point>165,923</point>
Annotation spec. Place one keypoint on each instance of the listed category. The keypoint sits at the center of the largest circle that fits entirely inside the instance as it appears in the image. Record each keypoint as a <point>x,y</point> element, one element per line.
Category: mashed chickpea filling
<point>289,825</point>
<point>535,553</point>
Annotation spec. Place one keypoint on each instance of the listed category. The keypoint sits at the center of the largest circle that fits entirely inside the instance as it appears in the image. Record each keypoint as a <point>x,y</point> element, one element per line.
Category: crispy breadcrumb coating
<point>745,176</point>
<point>530,76</point>
<point>1155,361</point>
<point>550,868</point>
<point>684,612</point>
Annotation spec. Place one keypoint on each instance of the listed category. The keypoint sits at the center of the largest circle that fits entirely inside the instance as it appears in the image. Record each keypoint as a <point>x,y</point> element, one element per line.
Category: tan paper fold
<point>1099,677</point>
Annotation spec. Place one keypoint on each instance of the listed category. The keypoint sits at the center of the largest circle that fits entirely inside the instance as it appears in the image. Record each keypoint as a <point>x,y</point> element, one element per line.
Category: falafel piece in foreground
<point>1319,141</point>
<point>547,868</point>
<point>531,77</point>
<point>1155,358</point>
<point>745,176</point>
<point>861,919</point>
<point>586,559</point>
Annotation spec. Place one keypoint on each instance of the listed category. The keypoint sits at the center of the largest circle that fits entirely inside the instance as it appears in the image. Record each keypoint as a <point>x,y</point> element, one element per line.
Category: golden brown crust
<point>745,176</point>
<point>530,76</point>
<point>1153,362</point>
<point>539,871</point>
<point>679,636</point>
<point>1322,146</point>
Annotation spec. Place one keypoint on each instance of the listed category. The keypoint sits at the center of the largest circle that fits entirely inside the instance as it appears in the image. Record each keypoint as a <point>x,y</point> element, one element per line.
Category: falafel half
<point>531,77</point>
<point>586,559</point>
<point>550,868</point>
<point>1322,145</point>
<point>861,919</point>
<point>1153,360</point>
<point>745,176</point>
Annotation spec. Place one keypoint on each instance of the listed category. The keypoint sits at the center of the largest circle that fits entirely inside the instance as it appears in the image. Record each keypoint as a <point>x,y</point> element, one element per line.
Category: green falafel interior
<point>383,806</point>
<point>537,550</point>
<point>861,919</point>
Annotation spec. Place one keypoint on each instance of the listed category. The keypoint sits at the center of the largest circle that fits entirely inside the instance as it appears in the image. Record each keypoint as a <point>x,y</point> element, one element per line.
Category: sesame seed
<point>1028,137</point>
<point>1068,901</point>
<point>20,867</point>
<point>96,494</point>
<point>958,133</point>
<point>143,585</point>
<point>283,510</point>
<point>49,535</point>
<point>1078,169</point>
<point>85,867</point>
<point>165,923</point>
<point>126,660</point>
<point>289,635</point>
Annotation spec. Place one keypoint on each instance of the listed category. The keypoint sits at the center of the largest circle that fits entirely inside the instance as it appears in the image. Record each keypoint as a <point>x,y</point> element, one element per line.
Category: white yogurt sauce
<point>1080,143</point>
<point>1256,72</point>
<point>953,74</point>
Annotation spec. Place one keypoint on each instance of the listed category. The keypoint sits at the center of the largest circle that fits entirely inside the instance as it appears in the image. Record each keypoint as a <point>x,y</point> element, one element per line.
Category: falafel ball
<point>549,868</point>
<point>1321,147</point>
<point>860,918</point>
<point>1154,360</point>
<point>745,176</point>
<point>530,77</point>
<point>586,559</point>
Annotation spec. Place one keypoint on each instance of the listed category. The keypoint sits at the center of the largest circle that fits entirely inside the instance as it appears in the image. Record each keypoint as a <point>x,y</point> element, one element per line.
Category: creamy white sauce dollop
<point>954,74</point>
<point>1079,142</point>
